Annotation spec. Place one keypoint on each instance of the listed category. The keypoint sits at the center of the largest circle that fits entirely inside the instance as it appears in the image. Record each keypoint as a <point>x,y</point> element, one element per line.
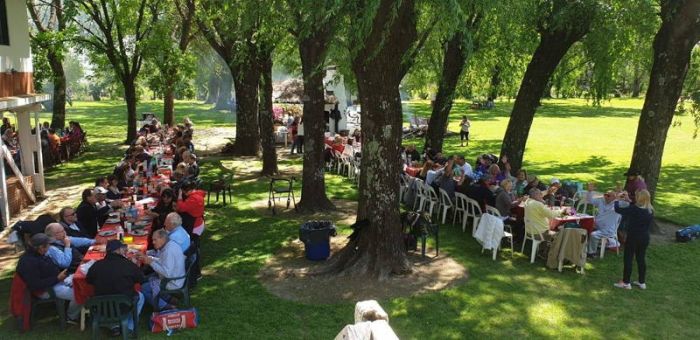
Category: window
<point>4,34</point>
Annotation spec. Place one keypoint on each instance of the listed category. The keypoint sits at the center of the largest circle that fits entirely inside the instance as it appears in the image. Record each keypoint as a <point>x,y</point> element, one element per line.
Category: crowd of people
<point>56,145</point>
<point>54,255</point>
<point>491,181</point>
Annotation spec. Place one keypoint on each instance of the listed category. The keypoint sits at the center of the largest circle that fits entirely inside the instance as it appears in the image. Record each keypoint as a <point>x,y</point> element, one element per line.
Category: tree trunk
<point>58,118</point>
<point>223,101</point>
<point>169,104</point>
<point>312,50</point>
<point>247,131</point>
<point>456,55</point>
<point>213,89</point>
<point>549,52</point>
<point>673,44</point>
<point>636,81</point>
<point>377,248</point>
<point>495,82</point>
<point>130,98</point>
<point>267,133</point>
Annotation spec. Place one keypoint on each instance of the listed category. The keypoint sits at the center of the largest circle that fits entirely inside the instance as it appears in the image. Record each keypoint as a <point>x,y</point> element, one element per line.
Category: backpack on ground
<point>688,234</point>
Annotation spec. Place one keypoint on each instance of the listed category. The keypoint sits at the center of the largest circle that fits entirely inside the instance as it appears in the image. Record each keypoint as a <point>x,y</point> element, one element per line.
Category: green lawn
<point>502,299</point>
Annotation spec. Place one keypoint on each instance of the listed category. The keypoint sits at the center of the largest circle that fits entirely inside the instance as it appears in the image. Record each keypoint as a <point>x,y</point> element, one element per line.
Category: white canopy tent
<point>22,108</point>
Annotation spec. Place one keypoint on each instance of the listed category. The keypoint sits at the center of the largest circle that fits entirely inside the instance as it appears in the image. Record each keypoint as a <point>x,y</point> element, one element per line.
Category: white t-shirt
<point>465,126</point>
<point>300,129</point>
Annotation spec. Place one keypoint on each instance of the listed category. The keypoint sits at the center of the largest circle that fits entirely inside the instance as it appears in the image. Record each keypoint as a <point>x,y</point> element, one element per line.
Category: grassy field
<point>502,299</point>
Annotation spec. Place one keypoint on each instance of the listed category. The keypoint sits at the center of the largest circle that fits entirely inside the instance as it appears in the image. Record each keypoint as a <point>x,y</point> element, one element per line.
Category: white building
<point>18,100</point>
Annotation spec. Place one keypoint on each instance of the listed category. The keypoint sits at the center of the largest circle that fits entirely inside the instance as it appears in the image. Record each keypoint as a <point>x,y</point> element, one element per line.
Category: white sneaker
<point>640,285</point>
<point>623,285</point>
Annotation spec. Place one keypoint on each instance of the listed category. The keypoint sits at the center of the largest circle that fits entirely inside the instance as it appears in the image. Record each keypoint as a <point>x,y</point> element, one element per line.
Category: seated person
<point>63,249</point>
<point>466,168</point>
<point>40,274</point>
<point>606,220</point>
<point>166,205</point>
<point>191,161</point>
<point>427,166</point>
<point>69,220</point>
<point>113,190</point>
<point>167,261</point>
<point>481,192</point>
<point>537,215</point>
<point>89,214</point>
<point>555,193</point>
<point>439,158</point>
<point>520,182</point>
<point>534,183</point>
<point>412,155</point>
<point>117,275</point>
<point>177,234</point>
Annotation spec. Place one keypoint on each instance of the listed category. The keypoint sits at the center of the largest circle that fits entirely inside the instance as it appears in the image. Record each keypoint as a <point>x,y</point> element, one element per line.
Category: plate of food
<point>139,232</point>
<point>107,233</point>
<point>112,220</point>
<point>142,223</point>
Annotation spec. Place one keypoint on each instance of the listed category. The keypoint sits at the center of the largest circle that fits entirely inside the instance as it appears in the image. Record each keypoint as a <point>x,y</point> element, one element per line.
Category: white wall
<point>17,55</point>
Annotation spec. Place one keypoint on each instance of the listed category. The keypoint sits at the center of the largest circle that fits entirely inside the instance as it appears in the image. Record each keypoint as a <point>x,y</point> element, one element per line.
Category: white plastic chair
<point>473,211</point>
<point>445,204</point>
<point>420,195</point>
<point>536,240</point>
<point>461,207</point>
<point>506,233</point>
<point>604,240</point>
<point>431,199</point>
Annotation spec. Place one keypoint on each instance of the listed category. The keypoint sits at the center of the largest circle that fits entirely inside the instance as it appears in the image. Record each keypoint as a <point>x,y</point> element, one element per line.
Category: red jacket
<point>20,301</point>
<point>193,205</point>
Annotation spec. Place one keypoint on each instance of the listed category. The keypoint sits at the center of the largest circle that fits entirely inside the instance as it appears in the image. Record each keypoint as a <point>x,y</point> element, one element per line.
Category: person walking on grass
<point>639,215</point>
<point>464,130</point>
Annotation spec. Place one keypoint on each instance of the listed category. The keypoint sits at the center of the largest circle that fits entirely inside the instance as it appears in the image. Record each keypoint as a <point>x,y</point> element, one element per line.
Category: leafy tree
<point>384,42</point>
<point>50,36</point>
<point>458,47</point>
<point>168,51</point>
<point>314,24</point>
<point>673,45</point>
<point>559,23</point>
<point>115,33</point>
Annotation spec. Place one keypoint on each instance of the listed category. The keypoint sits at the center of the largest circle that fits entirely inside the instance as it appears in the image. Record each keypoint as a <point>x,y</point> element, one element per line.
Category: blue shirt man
<point>176,233</point>
<point>62,247</point>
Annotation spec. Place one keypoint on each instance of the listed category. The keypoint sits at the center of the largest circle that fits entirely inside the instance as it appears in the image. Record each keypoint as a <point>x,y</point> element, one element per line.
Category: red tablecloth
<point>586,222</point>
<point>82,290</point>
<point>413,172</point>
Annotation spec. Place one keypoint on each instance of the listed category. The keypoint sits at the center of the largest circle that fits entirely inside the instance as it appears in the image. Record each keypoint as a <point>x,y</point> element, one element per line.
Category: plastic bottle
<point>133,213</point>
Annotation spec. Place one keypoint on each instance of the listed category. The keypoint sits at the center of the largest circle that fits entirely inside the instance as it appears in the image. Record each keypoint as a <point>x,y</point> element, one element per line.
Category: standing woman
<point>639,216</point>
<point>464,125</point>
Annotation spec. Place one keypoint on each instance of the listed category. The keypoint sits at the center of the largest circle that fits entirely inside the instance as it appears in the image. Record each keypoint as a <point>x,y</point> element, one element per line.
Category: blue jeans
<point>147,291</point>
<point>139,307</point>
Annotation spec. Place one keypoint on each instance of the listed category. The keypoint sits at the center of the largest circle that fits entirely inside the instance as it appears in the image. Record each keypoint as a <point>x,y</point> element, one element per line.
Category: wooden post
<point>5,203</point>
<point>39,177</point>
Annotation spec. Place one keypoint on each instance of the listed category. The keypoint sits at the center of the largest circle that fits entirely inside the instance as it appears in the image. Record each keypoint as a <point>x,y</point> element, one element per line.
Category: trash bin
<point>316,237</point>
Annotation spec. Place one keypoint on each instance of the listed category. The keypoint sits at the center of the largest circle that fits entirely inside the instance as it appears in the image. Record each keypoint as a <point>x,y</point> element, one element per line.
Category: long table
<point>585,221</point>
<point>82,290</point>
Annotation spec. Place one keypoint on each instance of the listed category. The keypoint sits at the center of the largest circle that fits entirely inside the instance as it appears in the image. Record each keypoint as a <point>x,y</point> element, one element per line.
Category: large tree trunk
<point>169,103</point>
<point>377,248</point>
<point>313,186</point>
<point>58,118</point>
<point>456,54</point>
<point>549,52</point>
<point>673,44</point>
<point>267,133</point>
<point>223,101</point>
<point>247,131</point>
<point>130,98</point>
<point>213,89</point>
